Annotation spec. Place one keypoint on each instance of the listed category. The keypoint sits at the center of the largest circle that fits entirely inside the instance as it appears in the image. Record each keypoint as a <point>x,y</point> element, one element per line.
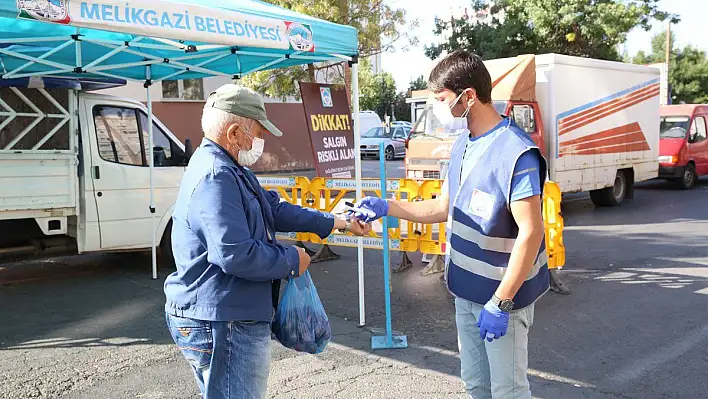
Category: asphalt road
<point>634,325</point>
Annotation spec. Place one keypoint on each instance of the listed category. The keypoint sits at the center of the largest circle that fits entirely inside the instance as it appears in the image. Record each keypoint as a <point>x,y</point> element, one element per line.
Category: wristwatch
<point>505,305</point>
<point>347,229</point>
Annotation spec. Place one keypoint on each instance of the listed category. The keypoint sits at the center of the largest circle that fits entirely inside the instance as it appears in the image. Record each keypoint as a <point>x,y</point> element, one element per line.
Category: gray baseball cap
<point>241,101</point>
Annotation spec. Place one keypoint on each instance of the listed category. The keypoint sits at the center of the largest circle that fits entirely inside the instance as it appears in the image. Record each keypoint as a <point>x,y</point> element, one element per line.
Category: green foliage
<point>378,94</point>
<point>419,83</point>
<point>380,26</point>
<point>688,70</point>
<point>586,28</point>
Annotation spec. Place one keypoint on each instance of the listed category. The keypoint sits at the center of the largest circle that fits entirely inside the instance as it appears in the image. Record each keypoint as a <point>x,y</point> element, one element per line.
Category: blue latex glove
<point>493,322</point>
<point>371,208</point>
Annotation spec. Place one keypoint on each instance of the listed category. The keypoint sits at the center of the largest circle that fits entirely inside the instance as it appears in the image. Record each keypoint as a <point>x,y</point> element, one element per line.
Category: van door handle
<point>96,173</point>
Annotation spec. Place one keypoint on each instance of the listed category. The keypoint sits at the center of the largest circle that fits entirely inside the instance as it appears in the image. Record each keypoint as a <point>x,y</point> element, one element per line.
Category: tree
<point>687,75</point>
<point>419,83</point>
<point>380,26</point>
<point>402,110</point>
<point>507,34</point>
<point>688,69</point>
<point>585,28</point>
<point>378,94</point>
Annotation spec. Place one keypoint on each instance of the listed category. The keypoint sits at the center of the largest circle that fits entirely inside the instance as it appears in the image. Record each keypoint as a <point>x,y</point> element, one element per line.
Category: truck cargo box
<point>600,117</point>
<point>38,155</point>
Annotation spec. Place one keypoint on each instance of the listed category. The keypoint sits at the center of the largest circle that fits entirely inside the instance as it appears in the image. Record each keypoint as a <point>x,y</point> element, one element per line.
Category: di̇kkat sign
<point>330,124</point>
<point>187,22</point>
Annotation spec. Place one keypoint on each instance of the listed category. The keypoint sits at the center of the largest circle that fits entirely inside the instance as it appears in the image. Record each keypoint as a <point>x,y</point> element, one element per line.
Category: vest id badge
<point>481,204</point>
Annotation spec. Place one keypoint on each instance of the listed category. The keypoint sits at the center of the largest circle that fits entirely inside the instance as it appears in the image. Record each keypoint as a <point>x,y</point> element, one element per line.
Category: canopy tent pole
<point>357,166</point>
<point>79,55</point>
<point>151,160</point>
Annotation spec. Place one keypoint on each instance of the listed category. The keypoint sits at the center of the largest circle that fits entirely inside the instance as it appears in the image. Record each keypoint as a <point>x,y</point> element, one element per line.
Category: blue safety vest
<point>481,230</point>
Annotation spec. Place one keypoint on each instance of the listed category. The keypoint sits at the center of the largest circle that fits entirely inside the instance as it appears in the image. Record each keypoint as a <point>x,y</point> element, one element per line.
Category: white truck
<point>74,170</point>
<point>597,122</point>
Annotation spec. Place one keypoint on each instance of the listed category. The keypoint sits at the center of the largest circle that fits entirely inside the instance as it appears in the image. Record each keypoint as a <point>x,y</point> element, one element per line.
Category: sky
<point>408,65</point>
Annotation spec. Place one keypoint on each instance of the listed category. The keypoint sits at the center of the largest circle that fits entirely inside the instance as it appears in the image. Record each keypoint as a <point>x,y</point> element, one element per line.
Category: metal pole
<point>359,194</point>
<point>667,58</point>
<point>386,266</point>
<point>668,45</point>
<point>151,160</point>
<point>79,60</point>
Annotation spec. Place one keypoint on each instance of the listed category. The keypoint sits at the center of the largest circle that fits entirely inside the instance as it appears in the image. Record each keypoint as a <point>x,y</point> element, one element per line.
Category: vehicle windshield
<point>673,127</point>
<point>377,133</point>
<point>428,125</point>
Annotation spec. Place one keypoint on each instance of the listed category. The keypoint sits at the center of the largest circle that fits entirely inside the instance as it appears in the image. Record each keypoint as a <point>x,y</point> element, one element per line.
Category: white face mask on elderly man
<point>249,157</point>
<point>443,113</point>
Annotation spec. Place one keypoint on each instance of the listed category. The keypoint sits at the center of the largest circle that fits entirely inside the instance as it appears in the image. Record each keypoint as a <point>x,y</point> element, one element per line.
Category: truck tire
<point>611,196</point>
<point>165,258</point>
<point>689,178</point>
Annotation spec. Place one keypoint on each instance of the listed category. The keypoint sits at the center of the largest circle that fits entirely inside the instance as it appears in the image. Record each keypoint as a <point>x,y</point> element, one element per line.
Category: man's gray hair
<point>215,122</point>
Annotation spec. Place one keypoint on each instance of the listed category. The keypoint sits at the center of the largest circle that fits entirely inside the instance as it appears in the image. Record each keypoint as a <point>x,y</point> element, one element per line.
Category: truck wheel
<point>689,178</point>
<point>390,154</point>
<point>165,258</point>
<point>611,196</point>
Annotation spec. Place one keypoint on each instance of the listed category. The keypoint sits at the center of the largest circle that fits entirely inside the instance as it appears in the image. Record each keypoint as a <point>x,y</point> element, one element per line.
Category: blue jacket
<point>223,240</point>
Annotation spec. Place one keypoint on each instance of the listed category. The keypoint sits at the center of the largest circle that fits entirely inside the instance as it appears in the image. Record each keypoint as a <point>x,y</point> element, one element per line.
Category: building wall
<point>292,152</point>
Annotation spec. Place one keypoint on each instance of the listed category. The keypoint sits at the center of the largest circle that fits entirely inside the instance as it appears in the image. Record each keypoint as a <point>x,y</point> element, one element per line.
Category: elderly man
<point>221,299</point>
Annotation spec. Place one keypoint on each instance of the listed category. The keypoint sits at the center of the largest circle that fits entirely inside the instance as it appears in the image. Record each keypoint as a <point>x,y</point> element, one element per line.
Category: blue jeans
<point>498,369</point>
<point>230,359</point>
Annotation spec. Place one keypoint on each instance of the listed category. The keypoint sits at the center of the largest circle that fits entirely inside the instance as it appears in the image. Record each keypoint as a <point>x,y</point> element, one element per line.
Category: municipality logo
<point>299,36</point>
<point>56,11</point>
<point>326,95</point>
<point>291,181</point>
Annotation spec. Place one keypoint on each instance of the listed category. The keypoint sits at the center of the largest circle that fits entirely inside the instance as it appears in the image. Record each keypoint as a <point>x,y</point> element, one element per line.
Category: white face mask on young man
<point>443,113</point>
<point>249,157</point>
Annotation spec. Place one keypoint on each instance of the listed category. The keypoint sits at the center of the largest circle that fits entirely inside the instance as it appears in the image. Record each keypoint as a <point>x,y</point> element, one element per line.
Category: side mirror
<point>188,150</point>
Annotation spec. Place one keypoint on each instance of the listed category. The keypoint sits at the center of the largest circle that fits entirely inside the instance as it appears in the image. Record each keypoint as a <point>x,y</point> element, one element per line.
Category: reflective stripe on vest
<point>492,272</point>
<point>484,242</point>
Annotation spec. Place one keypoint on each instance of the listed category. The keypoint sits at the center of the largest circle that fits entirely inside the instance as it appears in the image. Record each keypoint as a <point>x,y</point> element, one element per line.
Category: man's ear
<point>470,97</point>
<point>231,133</point>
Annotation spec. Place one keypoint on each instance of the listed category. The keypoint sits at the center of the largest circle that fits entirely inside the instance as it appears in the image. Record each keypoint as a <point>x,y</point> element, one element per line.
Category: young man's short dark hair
<point>462,70</point>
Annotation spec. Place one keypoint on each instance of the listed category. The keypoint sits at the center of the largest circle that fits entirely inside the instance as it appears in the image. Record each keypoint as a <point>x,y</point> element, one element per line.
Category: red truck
<point>683,147</point>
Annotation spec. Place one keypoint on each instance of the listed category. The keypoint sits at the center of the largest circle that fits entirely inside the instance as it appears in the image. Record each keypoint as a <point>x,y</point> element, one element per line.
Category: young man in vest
<point>497,266</point>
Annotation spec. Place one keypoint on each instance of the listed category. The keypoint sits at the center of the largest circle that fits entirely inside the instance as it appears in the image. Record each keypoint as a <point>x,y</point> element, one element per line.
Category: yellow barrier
<point>553,225</point>
<point>293,190</point>
<point>328,195</point>
<point>432,242</point>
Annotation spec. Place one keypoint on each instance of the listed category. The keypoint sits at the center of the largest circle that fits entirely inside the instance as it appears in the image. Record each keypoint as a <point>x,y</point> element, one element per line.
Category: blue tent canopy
<point>179,39</point>
<point>156,40</point>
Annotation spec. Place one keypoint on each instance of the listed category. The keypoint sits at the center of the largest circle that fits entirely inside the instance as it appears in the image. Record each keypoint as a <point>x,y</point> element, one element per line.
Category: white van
<point>367,121</point>
<point>74,173</point>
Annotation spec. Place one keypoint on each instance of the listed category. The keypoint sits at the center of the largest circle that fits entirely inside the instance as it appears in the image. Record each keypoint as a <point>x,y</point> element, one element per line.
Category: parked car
<point>367,121</point>
<point>683,147</point>
<point>405,124</point>
<point>394,140</point>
